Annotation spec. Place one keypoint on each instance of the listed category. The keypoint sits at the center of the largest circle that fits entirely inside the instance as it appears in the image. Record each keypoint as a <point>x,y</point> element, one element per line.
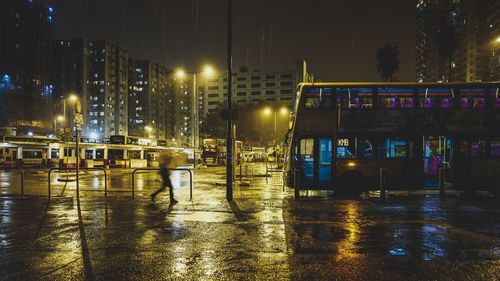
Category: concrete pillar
<point>142,154</point>
<point>82,153</point>
<point>94,153</point>
<point>49,153</point>
<point>19,153</point>
<point>125,154</point>
<point>105,153</point>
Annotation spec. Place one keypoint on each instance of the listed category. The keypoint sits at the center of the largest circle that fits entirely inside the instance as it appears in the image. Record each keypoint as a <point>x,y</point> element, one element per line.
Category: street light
<point>267,112</point>
<point>149,130</point>
<point>208,71</point>
<point>59,119</point>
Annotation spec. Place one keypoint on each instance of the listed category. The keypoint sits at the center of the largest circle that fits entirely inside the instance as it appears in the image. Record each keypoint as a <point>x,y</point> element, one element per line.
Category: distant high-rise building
<point>494,52</point>
<point>97,71</point>
<point>180,112</point>
<point>26,71</point>
<point>148,90</point>
<point>454,38</point>
<point>255,87</point>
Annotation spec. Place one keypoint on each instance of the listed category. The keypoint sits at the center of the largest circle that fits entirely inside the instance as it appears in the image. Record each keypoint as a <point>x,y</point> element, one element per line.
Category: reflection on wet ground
<point>262,235</point>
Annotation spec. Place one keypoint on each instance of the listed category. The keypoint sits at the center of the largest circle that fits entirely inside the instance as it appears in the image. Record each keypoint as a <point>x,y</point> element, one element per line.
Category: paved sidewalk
<point>262,235</point>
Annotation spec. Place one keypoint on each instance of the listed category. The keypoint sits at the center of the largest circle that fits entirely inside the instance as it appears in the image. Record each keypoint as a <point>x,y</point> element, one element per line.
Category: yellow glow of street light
<point>208,71</point>
<point>60,118</point>
<point>284,111</point>
<point>73,98</point>
<point>180,73</point>
<point>267,111</point>
<point>497,40</point>
<point>148,128</point>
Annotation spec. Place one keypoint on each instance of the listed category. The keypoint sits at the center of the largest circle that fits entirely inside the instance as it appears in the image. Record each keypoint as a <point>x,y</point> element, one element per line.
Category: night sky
<point>338,38</point>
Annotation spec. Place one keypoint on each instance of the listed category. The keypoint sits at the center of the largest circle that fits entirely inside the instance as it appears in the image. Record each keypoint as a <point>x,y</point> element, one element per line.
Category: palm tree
<point>387,61</point>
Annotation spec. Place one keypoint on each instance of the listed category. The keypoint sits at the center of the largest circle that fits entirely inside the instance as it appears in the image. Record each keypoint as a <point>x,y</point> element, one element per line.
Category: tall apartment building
<point>149,86</point>
<point>97,71</point>
<point>494,52</point>
<point>180,112</point>
<point>454,38</point>
<point>256,87</point>
<point>26,70</point>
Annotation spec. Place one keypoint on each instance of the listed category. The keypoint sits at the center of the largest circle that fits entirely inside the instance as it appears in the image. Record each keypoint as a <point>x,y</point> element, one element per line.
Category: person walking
<point>165,160</point>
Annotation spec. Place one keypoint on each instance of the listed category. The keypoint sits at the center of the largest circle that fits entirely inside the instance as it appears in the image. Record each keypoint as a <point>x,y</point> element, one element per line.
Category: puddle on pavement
<point>202,216</point>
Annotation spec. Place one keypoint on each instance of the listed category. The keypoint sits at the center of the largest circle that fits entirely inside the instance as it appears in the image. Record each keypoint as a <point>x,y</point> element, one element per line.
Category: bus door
<point>314,158</point>
<point>305,161</point>
<point>325,157</point>
<point>437,152</point>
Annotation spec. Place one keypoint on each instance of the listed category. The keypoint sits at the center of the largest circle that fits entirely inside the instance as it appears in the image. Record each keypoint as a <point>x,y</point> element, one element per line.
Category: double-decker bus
<point>341,134</point>
<point>214,151</point>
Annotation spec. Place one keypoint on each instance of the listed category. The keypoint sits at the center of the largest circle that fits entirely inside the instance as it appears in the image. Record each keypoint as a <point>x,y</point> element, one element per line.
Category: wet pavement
<point>264,234</point>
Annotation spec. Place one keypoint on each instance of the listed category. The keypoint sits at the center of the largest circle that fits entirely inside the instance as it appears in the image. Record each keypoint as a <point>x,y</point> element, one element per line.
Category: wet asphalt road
<point>262,235</point>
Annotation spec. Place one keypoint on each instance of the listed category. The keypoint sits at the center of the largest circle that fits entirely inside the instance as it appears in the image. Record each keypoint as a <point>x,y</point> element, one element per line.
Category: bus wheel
<point>352,185</point>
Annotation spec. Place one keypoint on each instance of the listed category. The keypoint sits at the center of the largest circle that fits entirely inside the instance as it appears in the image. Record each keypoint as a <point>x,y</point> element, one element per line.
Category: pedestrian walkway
<point>262,235</point>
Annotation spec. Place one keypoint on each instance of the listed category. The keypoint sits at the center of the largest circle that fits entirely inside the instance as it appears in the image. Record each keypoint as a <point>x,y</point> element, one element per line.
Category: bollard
<point>382,182</point>
<point>22,182</point>
<point>441,177</point>
<point>296,188</point>
<point>240,173</point>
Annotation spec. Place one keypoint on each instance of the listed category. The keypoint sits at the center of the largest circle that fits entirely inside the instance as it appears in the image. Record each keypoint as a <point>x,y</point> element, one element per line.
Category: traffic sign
<point>78,119</point>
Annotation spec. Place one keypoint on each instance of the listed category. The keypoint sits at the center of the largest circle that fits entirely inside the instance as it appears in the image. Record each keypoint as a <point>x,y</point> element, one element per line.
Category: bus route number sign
<point>343,142</point>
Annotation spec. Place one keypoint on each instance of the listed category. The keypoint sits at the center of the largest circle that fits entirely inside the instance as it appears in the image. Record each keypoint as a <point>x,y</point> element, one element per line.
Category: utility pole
<point>229,141</point>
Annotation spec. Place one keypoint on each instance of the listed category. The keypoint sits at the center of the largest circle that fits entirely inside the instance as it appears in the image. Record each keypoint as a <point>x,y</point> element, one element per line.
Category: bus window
<point>99,153</point>
<point>464,148</point>
<point>318,98</point>
<point>349,148</point>
<point>436,98</point>
<point>346,148</point>
<point>396,98</point>
<point>472,98</point>
<point>54,154</point>
<point>364,148</point>
<point>354,97</point>
<point>496,97</point>
<point>495,148</point>
<point>392,148</point>
<point>477,148</point>
<point>29,154</point>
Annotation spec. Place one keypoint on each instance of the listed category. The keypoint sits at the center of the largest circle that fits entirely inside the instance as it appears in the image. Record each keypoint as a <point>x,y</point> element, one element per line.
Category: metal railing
<point>21,172</point>
<point>157,169</point>
<point>85,169</point>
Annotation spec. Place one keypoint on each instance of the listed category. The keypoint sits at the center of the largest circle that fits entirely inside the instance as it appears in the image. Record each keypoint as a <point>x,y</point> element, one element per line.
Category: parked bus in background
<point>214,151</point>
<point>341,134</point>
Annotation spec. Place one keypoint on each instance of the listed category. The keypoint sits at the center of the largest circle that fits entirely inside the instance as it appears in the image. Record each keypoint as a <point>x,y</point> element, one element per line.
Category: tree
<point>387,61</point>
<point>251,126</point>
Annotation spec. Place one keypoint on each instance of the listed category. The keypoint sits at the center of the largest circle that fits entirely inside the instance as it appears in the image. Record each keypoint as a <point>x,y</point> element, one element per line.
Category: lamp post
<point>267,112</point>
<point>60,119</point>
<point>229,139</point>
<point>208,72</point>
<point>148,129</point>
<point>78,120</point>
